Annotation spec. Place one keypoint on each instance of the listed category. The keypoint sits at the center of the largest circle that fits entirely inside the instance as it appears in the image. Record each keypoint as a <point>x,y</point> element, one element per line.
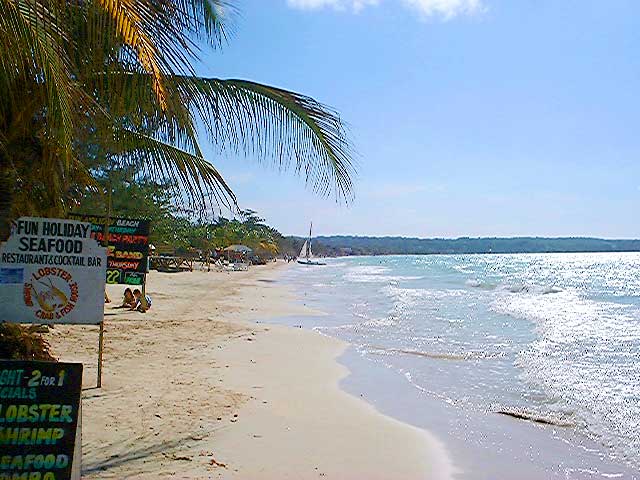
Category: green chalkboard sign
<point>39,405</point>
<point>128,252</point>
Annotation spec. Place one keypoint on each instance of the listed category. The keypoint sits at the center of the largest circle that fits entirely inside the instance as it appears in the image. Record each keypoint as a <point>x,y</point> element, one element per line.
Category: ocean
<point>508,348</point>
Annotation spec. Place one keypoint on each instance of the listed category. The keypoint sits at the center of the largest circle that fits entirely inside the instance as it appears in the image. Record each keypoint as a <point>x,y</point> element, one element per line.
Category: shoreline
<point>200,387</point>
<point>485,444</point>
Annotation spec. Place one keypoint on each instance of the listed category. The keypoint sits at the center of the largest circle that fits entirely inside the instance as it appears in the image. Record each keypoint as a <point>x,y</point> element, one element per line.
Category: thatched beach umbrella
<point>237,250</point>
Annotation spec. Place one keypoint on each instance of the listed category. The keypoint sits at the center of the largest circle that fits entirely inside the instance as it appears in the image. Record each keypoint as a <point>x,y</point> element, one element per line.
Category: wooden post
<point>143,295</point>
<point>106,238</point>
<point>76,466</point>
<point>100,349</point>
<point>106,231</point>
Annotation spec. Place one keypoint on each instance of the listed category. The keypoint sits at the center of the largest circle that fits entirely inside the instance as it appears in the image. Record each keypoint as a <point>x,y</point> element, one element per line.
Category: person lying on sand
<point>129,300</point>
<point>137,294</point>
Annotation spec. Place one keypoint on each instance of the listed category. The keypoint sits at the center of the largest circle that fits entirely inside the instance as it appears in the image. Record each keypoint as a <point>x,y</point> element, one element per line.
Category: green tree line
<point>124,193</point>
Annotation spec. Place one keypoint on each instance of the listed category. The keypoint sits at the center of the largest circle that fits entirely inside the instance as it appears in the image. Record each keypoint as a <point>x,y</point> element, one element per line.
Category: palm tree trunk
<point>6,198</point>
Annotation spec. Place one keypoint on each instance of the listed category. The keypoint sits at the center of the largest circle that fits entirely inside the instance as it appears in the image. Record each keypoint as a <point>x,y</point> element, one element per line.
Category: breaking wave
<point>513,287</point>
<point>465,356</point>
<point>376,274</point>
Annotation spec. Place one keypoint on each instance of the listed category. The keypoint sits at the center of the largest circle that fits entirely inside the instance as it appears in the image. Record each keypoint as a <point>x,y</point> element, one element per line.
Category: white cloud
<point>355,5</point>
<point>446,9</point>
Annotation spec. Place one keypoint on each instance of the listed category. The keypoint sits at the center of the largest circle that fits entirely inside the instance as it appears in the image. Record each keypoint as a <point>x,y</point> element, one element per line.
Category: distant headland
<point>341,245</point>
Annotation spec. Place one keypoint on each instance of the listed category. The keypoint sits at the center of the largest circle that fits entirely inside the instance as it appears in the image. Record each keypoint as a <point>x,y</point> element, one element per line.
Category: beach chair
<point>218,266</point>
<point>240,266</point>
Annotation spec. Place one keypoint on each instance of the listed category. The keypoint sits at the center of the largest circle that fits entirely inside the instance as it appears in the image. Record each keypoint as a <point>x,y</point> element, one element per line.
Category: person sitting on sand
<point>137,294</point>
<point>129,300</point>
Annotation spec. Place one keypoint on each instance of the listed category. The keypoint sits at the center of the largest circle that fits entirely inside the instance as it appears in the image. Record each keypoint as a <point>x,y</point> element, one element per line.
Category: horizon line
<point>514,237</point>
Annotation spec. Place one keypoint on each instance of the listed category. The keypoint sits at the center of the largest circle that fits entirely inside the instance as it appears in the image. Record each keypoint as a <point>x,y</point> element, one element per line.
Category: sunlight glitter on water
<point>556,336</point>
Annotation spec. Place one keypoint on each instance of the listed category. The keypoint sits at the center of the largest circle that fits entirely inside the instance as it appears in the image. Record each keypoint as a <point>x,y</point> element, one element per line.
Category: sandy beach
<point>199,387</point>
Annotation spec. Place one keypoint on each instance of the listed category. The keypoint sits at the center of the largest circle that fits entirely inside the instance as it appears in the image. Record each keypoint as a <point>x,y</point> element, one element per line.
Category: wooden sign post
<point>100,350</point>
<point>53,272</point>
<point>127,243</point>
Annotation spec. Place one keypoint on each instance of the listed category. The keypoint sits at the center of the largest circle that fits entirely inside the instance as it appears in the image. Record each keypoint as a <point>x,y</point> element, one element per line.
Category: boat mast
<point>309,244</point>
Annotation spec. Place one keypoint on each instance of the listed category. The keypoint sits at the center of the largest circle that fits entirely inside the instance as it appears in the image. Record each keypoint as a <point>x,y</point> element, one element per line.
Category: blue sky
<point>469,117</point>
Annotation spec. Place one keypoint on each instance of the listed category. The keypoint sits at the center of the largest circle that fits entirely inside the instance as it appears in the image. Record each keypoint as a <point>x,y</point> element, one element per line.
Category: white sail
<point>303,251</point>
<point>306,255</point>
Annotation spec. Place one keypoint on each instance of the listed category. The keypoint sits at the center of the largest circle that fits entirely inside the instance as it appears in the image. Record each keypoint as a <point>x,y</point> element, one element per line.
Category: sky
<point>468,117</point>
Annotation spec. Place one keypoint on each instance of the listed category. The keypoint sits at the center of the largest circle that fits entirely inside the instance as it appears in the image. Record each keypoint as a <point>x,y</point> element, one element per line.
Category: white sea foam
<point>482,284</point>
<point>436,355</point>
<point>414,296</point>
<point>380,322</point>
<point>376,274</point>
<point>463,268</point>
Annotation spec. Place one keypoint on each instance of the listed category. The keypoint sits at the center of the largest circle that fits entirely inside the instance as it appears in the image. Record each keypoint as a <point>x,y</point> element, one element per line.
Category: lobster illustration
<point>51,297</point>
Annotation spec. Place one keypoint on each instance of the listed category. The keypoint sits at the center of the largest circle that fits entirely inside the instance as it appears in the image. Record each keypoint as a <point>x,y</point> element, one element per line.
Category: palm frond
<point>191,173</point>
<point>270,122</point>
<point>209,20</point>
<point>161,34</point>
<point>130,99</point>
<point>34,45</point>
<point>262,121</point>
<point>130,17</point>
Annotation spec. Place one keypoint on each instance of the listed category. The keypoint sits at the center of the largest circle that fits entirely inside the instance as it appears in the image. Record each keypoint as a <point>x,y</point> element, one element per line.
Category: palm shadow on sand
<point>137,454</point>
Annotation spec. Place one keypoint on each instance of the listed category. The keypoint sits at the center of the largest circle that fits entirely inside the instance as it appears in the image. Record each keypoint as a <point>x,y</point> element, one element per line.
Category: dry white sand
<point>196,389</point>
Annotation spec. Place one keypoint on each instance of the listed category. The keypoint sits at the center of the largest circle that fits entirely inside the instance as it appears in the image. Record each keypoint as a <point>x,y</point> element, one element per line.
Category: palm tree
<point>89,85</point>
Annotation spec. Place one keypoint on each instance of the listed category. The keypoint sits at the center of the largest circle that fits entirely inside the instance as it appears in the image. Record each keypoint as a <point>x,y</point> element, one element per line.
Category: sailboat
<point>306,255</point>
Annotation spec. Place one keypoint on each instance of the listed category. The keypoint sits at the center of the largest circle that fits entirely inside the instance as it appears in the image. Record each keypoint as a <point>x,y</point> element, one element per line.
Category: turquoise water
<point>553,337</point>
